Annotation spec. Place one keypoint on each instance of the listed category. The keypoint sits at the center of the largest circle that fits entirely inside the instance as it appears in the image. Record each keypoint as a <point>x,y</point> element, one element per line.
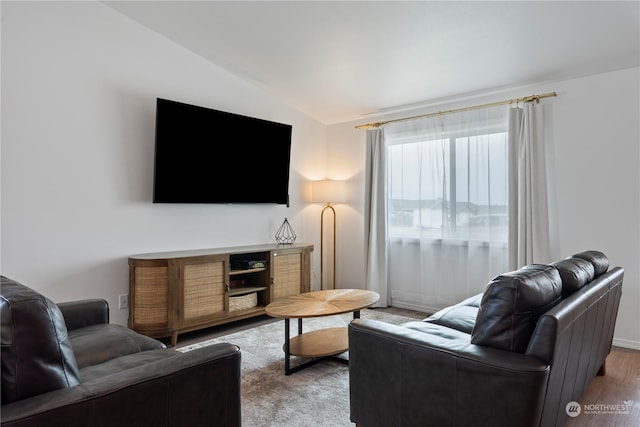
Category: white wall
<point>79,86</point>
<point>593,141</point>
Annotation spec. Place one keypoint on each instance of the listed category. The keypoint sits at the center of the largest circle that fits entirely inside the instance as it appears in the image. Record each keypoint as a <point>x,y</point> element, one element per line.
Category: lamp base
<point>333,282</point>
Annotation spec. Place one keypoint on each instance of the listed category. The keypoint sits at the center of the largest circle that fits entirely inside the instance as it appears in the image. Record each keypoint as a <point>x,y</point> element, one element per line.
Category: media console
<point>183,291</point>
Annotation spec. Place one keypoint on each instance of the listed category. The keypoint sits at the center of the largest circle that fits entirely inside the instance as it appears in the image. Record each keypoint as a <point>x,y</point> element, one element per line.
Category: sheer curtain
<point>446,185</point>
<point>375,217</point>
<point>529,239</point>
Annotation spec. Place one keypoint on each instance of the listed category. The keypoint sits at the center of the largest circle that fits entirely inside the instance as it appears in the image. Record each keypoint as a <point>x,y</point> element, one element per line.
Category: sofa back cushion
<point>598,259</point>
<point>36,355</point>
<point>512,304</point>
<point>575,273</point>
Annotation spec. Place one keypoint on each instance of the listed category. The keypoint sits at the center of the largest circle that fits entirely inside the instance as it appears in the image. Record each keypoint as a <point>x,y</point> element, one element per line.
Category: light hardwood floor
<point>604,403</point>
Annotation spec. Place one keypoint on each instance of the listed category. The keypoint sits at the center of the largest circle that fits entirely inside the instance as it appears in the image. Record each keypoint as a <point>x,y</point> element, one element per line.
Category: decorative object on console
<point>247,264</point>
<point>328,191</point>
<point>243,302</point>
<point>285,234</point>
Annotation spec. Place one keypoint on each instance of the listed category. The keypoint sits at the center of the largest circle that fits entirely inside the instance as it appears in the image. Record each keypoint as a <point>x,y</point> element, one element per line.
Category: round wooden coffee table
<point>322,343</point>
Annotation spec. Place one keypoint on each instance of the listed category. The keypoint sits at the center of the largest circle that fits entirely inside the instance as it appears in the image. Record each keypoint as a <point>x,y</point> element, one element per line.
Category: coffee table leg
<point>356,314</point>
<point>287,347</point>
<point>287,350</point>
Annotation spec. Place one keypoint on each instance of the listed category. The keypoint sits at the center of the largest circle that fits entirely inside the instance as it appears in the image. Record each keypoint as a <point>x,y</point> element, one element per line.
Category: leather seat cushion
<point>446,334</point>
<point>103,371</point>
<point>97,344</point>
<point>460,317</point>
<point>512,304</point>
<point>36,354</point>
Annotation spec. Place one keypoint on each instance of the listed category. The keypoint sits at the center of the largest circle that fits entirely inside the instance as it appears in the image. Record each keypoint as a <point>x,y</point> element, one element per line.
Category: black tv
<point>204,155</point>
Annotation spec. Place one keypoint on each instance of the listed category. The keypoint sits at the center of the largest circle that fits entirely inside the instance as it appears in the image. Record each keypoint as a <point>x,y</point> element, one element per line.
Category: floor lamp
<point>327,191</point>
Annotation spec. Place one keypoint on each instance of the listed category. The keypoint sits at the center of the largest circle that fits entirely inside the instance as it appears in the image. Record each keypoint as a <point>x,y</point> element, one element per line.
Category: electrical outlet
<point>123,301</point>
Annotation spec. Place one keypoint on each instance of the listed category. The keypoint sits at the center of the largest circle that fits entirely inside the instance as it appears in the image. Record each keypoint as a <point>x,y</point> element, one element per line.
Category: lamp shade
<point>328,191</point>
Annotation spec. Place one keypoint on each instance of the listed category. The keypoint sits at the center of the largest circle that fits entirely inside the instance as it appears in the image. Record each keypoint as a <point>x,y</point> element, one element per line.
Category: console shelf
<point>176,292</point>
<point>246,290</point>
<point>251,270</point>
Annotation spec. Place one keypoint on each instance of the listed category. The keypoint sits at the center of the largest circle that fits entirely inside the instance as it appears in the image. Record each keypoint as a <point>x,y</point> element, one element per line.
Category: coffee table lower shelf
<point>317,345</point>
<point>320,343</point>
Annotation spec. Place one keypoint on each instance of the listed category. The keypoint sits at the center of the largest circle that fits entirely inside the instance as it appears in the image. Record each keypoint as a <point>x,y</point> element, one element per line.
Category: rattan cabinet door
<point>287,274</point>
<point>149,304</point>
<point>203,285</point>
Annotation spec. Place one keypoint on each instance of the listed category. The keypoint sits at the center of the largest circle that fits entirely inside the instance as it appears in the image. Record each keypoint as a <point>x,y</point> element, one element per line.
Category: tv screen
<point>204,155</point>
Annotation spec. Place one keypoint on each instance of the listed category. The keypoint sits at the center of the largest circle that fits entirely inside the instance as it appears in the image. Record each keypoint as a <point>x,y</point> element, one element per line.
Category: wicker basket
<point>243,302</point>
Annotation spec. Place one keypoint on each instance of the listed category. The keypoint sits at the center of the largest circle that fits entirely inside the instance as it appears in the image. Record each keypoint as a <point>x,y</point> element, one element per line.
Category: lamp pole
<point>333,282</point>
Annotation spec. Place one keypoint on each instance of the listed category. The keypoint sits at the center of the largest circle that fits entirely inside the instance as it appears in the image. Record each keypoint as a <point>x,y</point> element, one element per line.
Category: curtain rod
<point>531,98</point>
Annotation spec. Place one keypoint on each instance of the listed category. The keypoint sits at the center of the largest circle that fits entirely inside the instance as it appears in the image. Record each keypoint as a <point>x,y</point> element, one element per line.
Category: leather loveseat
<point>518,354</point>
<point>66,365</point>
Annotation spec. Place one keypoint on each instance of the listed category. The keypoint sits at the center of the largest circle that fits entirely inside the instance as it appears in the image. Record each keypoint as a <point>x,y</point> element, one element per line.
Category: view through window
<point>449,187</point>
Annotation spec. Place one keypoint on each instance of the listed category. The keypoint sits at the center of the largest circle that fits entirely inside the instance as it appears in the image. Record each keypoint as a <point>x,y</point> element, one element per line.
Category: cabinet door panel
<point>151,295</point>
<point>203,289</point>
<point>286,274</point>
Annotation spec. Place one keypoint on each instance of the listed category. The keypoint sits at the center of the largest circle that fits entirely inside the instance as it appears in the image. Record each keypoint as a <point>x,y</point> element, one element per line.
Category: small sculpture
<point>285,234</point>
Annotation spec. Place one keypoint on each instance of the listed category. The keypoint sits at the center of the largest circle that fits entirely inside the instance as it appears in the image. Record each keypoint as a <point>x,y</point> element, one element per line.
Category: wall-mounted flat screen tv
<point>204,155</point>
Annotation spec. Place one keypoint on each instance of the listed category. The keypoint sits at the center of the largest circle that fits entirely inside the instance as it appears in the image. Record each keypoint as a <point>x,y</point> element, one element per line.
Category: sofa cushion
<point>97,344</point>
<point>575,273</point>
<point>598,259</point>
<point>461,316</point>
<point>130,361</point>
<point>36,354</point>
<point>440,331</point>
<point>512,304</point>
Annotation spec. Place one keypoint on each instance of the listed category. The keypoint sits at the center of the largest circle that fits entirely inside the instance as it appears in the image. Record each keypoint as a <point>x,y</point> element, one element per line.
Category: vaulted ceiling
<point>340,61</point>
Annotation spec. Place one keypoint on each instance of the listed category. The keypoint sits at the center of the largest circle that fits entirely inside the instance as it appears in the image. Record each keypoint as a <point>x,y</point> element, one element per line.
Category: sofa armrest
<point>78,314</point>
<point>166,387</point>
<point>400,376</point>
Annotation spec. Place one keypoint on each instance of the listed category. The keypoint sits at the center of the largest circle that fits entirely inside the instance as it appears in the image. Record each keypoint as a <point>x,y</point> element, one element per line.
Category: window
<point>444,181</point>
<point>450,186</point>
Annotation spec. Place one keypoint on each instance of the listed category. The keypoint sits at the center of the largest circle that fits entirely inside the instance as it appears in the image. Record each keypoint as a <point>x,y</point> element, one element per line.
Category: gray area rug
<point>317,396</point>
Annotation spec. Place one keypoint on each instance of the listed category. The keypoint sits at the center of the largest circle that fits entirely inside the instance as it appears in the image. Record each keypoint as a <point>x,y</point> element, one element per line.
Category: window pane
<point>432,196</point>
<point>481,188</point>
<point>417,193</point>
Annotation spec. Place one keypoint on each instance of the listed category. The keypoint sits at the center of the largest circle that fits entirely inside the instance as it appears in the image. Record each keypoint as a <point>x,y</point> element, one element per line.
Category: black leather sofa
<point>516,355</point>
<point>66,365</point>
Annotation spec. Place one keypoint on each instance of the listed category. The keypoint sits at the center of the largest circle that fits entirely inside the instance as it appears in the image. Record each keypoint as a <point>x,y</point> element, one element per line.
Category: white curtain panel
<point>375,217</point>
<point>529,240</point>
<point>447,192</point>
